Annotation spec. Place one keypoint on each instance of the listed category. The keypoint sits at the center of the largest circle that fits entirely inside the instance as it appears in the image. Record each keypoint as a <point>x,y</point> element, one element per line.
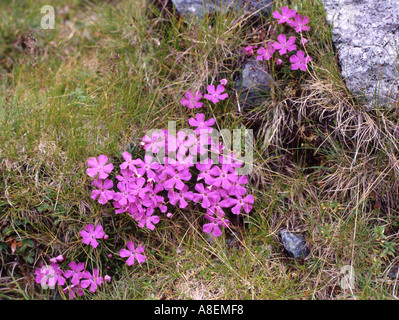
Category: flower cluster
<point>215,94</point>
<point>75,279</point>
<point>283,45</point>
<point>170,174</point>
<point>80,278</point>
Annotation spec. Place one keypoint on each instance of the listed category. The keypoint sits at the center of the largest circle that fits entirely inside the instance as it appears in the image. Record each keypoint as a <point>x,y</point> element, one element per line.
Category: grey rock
<point>254,85</point>
<point>366,35</point>
<point>294,244</point>
<point>200,8</point>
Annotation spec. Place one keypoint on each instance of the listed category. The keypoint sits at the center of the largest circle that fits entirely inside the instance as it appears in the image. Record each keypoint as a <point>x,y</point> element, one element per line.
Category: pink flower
<point>136,210</point>
<point>249,50</point>
<point>99,166</point>
<point>238,204</point>
<point>201,143</point>
<point>91,233</point>
<point>128,192</point>
<point>285,15</point>
<point>107,278</point>
<point>176,177</point>
<point>126,175</point>
<point>214,225</point>
<point>147,166</point>
<point>149,219</point>
<point>192,100</point>
<point>202,125</point>
<point>132,253</point>
<point>265,54</point>
<point>154,142</point>
<point>303,41</point>
<point>76,272</point>
<point>207,171</point>
<point>73,290</point>
<point>215,209</point>
<point>205,195</point>
<point>137,188</point>
<point>128,164</point>
<point>57,259</point>
<point>151,197</point>
<point>181,197</point>
<point>279,62</point>
<point>226,177</point>
<point>299,23</point>
<point>284,45</point>
<point>236,187</point>
<point>181,142</point>
<point>299,61</point>
<point>187,161</point>
<point>216,149</point>
<point>184,141</point>
<point>223,82</point>
<point>215,95</point>
<point>103,194</point>
<point>93,281</point>
<point>120,208</point>
<point>191,143</point>
<point>49,276</point>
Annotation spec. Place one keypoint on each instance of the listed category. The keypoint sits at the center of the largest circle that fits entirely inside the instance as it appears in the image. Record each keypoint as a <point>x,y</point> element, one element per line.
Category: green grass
<point>108,73</point>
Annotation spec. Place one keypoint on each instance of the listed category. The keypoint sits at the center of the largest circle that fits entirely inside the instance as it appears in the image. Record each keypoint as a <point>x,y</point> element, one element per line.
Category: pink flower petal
<point>102,160</point>
<point>216,231</point>
<point>94,243</point>
<point>140,258</point>
<point>92,162</point>
<point>95,194</point>
<point>108,168</point>
<point>282,38</point>
<point>211,89</point>
<point>130,246</point>
<point>208,227</point>
<point>91,172</point>
<point>130,261</point>
<point>124,253</point>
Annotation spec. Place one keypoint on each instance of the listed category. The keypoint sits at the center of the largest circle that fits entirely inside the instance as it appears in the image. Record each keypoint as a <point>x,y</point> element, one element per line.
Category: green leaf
<point>3,246</point>
<point>43,207</point>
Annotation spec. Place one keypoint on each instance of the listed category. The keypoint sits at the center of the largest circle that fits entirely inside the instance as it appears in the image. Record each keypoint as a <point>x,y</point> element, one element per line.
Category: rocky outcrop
<point>366,35</point>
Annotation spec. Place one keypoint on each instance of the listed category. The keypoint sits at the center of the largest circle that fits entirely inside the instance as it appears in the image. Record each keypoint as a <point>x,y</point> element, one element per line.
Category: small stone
<point>393,273</point>
<point>294,244</point>
<point>254,85</point>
